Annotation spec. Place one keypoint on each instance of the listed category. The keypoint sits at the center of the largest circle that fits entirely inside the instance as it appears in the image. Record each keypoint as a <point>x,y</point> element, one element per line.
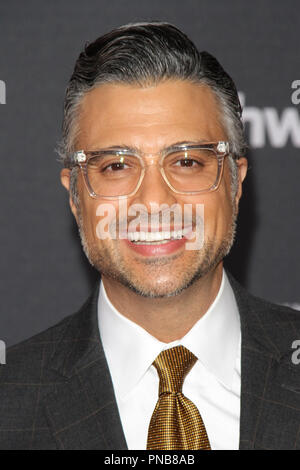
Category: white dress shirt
<point>213,384</point>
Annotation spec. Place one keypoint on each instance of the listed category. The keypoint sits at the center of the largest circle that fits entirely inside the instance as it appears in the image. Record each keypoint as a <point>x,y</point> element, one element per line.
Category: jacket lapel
<point>83,413</point>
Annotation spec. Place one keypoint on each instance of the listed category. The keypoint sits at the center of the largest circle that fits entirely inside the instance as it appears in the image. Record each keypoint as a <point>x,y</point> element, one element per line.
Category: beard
<point>109,262</point>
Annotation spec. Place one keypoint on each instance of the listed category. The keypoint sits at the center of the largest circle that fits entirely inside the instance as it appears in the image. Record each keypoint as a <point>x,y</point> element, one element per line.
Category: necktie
<point>176,422</point>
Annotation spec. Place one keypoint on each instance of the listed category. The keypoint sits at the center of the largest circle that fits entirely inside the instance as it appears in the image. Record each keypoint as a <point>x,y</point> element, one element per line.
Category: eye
<point>187,163</point>
<point>115,166</point>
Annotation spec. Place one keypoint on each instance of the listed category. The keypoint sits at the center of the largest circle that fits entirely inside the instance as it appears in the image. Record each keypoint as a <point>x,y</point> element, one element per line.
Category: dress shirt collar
<point>130,350</point>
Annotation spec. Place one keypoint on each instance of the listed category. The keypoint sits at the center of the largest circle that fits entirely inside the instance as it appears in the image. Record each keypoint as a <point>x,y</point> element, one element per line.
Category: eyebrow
<point>138,150</point>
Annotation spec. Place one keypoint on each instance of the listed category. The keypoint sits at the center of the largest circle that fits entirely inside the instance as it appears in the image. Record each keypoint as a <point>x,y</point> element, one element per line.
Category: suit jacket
<point>56,390</point>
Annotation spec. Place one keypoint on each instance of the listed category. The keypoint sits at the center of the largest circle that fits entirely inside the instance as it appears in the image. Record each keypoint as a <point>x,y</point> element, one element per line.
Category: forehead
<point>148,117</point>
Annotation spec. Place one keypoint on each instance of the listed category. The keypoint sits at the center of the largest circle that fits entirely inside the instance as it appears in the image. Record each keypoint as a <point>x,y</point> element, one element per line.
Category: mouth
<point>157,243</point>
<point>157,238</point>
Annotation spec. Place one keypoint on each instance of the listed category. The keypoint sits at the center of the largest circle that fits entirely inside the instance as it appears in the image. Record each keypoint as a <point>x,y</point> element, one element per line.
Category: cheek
<point>88,211</point>
<point>89,220</point>
<point>100,220</point>
<point>218,213</point>
<point>217,210</point>
<point>223,200</point>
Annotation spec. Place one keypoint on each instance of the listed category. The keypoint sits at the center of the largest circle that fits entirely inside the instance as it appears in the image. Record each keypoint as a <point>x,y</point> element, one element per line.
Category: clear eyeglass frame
<point>80,158</point>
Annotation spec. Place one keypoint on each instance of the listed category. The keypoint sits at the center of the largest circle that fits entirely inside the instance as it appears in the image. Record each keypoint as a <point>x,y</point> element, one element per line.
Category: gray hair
<point>146,54</point>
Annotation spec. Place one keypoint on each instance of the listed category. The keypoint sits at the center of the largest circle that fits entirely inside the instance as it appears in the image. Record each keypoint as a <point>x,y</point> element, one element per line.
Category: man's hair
<point>145,54</point>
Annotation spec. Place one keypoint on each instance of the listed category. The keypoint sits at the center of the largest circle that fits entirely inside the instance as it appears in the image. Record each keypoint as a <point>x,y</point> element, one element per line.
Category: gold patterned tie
<point>176,422</point>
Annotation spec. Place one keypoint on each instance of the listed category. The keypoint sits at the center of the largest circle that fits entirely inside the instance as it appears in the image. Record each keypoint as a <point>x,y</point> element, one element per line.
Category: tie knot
<point>172,366</point>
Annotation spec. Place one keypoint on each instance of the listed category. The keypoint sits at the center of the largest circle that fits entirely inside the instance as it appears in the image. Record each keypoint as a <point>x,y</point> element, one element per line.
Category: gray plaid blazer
<point>56,390</point>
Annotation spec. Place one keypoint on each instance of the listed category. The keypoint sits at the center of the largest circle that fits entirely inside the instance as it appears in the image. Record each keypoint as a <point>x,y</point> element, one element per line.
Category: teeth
<point>157,236</point>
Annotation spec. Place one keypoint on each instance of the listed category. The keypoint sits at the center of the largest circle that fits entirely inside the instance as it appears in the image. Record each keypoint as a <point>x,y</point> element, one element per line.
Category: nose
<point>154,190</point>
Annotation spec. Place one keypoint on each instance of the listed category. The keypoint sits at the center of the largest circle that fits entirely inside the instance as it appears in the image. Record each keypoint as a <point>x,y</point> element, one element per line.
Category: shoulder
<point>265,322</point>
<point>25,360</point>
<point>264,308</point>
<point>30,376</point>
<point>25,381</point>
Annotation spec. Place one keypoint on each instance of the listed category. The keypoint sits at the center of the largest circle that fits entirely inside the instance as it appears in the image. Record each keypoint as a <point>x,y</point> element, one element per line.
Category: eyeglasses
<point>115,173</point>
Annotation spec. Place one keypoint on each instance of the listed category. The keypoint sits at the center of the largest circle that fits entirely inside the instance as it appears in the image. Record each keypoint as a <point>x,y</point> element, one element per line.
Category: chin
<point>160,289</point>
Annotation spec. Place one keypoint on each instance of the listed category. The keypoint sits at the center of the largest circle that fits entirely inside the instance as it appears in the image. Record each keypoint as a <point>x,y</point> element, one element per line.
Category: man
<point>169,352</point>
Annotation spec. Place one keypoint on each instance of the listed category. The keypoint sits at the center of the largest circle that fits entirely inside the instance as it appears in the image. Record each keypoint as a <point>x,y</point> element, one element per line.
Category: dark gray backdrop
<point>44,275</point>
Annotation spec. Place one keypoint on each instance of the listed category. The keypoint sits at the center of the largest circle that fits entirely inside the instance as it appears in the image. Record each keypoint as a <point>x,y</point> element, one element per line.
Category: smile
<point>157,237</point>
<point>155,244</point>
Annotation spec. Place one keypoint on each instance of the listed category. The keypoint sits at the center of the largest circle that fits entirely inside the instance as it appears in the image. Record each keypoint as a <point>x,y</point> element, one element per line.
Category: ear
<point>242,166</point>
<point>65,176</point>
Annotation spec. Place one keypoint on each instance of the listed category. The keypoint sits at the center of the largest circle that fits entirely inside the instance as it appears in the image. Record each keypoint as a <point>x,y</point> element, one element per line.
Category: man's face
<point>151,119</point>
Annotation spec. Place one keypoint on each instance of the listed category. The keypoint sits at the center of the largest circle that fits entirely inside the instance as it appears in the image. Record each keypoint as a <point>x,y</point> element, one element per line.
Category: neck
<point>167,319</point>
